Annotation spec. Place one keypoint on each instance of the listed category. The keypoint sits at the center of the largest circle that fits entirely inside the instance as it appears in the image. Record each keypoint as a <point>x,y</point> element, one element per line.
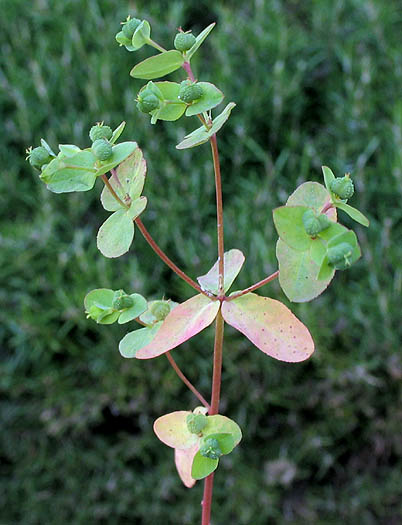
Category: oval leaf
<point>211,97</point>
<point>141,35</point>
<point>139,306</point>
<point>158,65</point>
<point>233,262</point>
<point>120,152</point>
<point>288,222</point>
<point>184,460</point>
<point>199,40</point>
<point>172,108</point>
<point>115,235</point>
<point>271,326</point>
<point>356,215</point>
<point>222,425</point>
<point>328,177</point>
<point>101,298</point>
<point>202,466</point>
<point>172,430</point>
<point>182,323</point>
<point>134,341</point>
<point>298,274</point>
<point>74,172</point>
<point>313,195</point>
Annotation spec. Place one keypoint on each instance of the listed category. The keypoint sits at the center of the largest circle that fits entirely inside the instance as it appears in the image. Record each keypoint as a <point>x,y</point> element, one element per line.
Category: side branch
<point>165,258</point>
<point>186,381</point>
<point>254,286</point>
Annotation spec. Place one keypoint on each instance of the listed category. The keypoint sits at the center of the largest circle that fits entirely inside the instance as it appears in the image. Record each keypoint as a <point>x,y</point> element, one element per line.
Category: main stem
<point>219,327</point>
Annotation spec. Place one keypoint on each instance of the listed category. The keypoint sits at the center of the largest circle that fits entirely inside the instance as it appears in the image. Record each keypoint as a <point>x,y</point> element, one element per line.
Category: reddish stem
<point>219,214</point>
<point>254,286</point>
<point>166,259</point>
<point>186,381</point>
<point>111,189</point>
<point>187,68</point>
<point>327,206</point>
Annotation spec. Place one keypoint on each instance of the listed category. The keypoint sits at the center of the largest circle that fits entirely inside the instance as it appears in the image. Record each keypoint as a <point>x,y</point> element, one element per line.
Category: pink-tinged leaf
<point>233,262</point>
<point>184,461</point>
<point>271,326</point>
<point>172,430</point>
<point>182,323</point>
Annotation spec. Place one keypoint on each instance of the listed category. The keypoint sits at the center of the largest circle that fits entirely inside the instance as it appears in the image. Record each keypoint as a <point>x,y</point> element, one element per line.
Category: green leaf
<point>356,215</point>
<point>120,152</point>
<point>158,65</point>
<point>318,250</point>
<point>137,207</point>
<point>171,107</point>
<point>326,271</point>
<point>134,341</point>
<point>184,460</point>
<point>218,424</point>
<point>124,41</point>
<point>201,135</point>
<point>68,150</point>
<point>289,225</point>
<point>101,298</point>
<point>182,323</point>
<point>202,466</point>
<point>116,234</point>
<point>140,305</point>
<point>349,237</point>
<point>313,195</point>
<point>328,177</point>
<point>47,147</point>
<point>149,318</point>
<point>226,442</point>
<point>298,273</point>
<point>233,262</point>
<point>141,35</point>
<point>74,173</point>
<point>270,326</point>
<point>117,132</point>
<point>211,97</point>
<point>199,40</point>
<point>172,430</point>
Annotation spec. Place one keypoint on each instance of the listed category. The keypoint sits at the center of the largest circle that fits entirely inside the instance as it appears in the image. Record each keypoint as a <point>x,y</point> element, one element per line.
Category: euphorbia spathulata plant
<point>312,245</point>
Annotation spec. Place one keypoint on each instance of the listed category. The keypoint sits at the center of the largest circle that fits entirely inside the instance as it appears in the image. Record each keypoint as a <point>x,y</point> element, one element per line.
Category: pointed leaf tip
<point>233,262</point>
<point>270,326</point>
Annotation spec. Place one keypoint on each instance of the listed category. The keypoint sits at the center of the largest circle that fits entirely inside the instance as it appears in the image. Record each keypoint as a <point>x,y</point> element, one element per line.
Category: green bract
<point>196,423</point>
<point>158,65</point>
<point>129,27</point>
<point>190,92</point>
<point>342,187</point>
<point>102,149</point>
<point>184,41</point>
<point>100,132</point>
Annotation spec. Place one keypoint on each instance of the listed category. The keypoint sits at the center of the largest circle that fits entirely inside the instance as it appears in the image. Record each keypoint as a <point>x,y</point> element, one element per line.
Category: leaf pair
<point>117,232</point>
<point>172,429</point>
<point>140,37</point>
<point>100,305</point>
<point>304,272</point>
<point>267,323</point>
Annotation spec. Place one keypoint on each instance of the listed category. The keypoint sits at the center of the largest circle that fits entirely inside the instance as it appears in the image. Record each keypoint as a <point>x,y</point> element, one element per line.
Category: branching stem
<point>254,286</point>
<point>186,381</point>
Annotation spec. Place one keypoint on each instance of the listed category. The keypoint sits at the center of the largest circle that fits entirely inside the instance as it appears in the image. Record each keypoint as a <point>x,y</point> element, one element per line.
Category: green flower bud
<point>190,92</point>
<point>184,41</point>
<point>102,149</point>
<point>210,448</point>
<point>129,27</point>
<point>38,157</point>
<point>339,256</point>
<point>343,187</point>
<point>147,101</point>
<point>314,224</point>
<point>160,309</point>
<point>196,422</point>
<point>122,301</point>
<point>100,132</point>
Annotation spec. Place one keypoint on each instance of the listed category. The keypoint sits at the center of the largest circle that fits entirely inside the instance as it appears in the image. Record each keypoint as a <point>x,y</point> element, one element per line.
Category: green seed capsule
<point>339,256</point>
<point>160,309</point>
<point>129,27</point>
<point>190,92</point>
<point>196,422</point>
<point>314,224</point>
<point>184,41</point>
<point>343,187</point>
<point>210,448</point>
<point>122,301</point>
<point>100,132</point>
<point>147,101</point>
<point>102,149</point>
<point>38,157</point>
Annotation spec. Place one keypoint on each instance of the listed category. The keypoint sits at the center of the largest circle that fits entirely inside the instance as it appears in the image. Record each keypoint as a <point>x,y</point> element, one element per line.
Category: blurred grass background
<point>315,82</point>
